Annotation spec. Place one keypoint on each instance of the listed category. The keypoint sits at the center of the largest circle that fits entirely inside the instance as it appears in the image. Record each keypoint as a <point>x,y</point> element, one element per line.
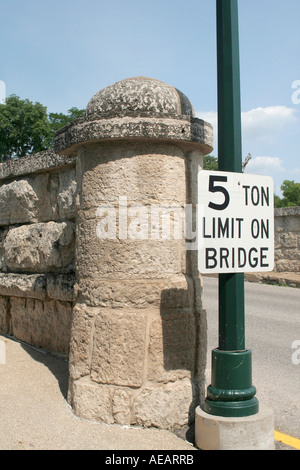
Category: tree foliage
<point>59,120</point>
<point>210,163</point>
<point>291,194</point>
<point>25,127</point>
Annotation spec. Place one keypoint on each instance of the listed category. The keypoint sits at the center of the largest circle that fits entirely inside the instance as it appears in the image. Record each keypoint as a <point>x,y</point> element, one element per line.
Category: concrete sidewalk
<point>34,414</point>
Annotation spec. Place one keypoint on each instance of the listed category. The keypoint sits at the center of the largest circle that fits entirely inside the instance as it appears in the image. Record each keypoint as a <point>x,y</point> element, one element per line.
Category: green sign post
<point>231,392</point>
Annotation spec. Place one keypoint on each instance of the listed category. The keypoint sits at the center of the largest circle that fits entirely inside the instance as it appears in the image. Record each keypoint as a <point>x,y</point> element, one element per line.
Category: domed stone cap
<point>139,97</point>
<point>136,108</point>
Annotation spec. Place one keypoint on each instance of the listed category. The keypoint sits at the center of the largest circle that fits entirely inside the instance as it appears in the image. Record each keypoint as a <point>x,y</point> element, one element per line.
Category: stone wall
<point>37,249</point>
<point>287,239</point>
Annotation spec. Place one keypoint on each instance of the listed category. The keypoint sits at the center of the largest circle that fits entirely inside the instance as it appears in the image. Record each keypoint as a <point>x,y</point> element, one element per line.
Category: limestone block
<point>61,287</point>
<point>172,345</point>
<point>144,173</point>
<point>287,223</point>
<point>126,258</point>
<point>165,294</point>
<point>39,198</point>
<point>41,247</point>
<point>66,194</point>
<point>121,406</point>
<point>286,239</point>
<point>4,315</point>
<point>36,163</point>
<point>287,265</point>
<point>91,401</point>
<point>26,200</point>
<point>81,340</point>
<point>38,286</point>
<point>118,355</point>
<point>23,285</point>
<point>44,324</point>
<point>165,406</point>
<point>18,203</point>
<point>3,233</point>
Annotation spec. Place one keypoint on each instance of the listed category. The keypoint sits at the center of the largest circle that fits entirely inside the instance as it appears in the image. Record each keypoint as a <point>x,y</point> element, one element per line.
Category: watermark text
<point>296,354</point>
<point>296,93</point>
<point>151,222</point>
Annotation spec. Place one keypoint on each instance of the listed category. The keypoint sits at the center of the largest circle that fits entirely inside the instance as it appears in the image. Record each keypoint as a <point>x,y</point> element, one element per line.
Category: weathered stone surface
<point>186,129</point>
<point>18,203</point>
<point>118,355</point>
<point>61,287</point>
<point>164,294</point>
<point>139,96</point>
<point>121,406</point>
<point>45,324</point>
<point>4,315</point>
<point>38,286</point>
<point>165,406</point>
<point>287,266</point>
<point>91,401</point>
<point>138,322</point>
<point>287,239</point>
<point>36,163</point>
<point>125,259</point>
<point>40,247</point>
<point>3,233</point>
<point>81,340</point>
<point>136,108</point>
<point>38,198</point>
<point>172,345</point>
<point>66,194</point>
<point>23,285</point>
<point>144,174</point>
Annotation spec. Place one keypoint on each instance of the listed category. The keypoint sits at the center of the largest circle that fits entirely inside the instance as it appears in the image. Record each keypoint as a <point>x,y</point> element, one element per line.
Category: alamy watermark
<point>2,92</point>
<point>296,354</point>
<point>151,222</point>
<point>296,93</point>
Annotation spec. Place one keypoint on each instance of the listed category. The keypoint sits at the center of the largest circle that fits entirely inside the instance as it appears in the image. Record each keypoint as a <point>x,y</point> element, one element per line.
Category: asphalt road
<point>272,316</point>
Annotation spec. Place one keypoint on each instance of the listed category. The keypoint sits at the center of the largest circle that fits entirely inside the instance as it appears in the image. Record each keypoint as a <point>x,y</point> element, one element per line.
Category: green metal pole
<point>231,392</point>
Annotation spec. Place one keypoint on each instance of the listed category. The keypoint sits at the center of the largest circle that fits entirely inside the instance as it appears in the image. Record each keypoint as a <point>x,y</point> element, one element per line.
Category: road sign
<point>235,222</point>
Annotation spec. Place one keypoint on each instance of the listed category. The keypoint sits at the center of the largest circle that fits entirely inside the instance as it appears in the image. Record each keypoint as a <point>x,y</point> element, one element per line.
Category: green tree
<point>291,194</point>
<point>58,120</point>
<point>24,128</point>
<point>210,163</point>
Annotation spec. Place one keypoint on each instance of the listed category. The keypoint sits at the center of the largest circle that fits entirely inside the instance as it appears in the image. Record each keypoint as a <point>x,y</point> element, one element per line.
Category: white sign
<point>235,222</point>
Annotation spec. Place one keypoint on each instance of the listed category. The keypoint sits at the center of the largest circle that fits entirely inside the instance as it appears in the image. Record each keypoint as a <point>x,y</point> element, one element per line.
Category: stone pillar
<point>138,341</point>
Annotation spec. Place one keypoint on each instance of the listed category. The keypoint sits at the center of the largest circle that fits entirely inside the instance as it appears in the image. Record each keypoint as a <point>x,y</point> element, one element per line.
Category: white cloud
<point>264,124</point>
<point>259,124</point>
<point>265,165</point>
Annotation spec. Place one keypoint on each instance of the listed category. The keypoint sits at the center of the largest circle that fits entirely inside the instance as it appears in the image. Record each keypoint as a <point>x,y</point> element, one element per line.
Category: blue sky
<point>61,53</point>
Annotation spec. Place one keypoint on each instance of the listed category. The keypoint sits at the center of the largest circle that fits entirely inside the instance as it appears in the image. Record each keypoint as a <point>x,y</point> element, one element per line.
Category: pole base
<point>231,392</point>
<point>254,432</point>
<point>232,408</point>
